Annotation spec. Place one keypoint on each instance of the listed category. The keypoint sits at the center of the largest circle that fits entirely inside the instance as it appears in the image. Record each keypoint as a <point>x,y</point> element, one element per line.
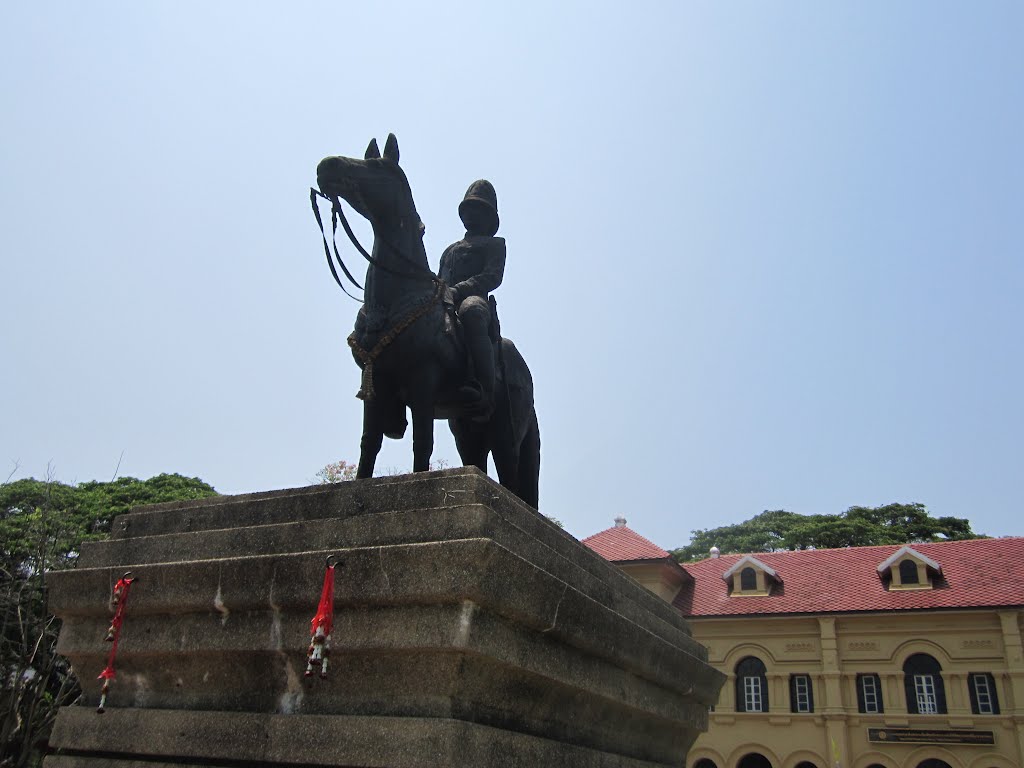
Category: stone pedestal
<point>468,631</point>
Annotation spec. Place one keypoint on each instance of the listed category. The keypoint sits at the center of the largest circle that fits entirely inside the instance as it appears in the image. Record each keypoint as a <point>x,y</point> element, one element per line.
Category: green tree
<point>43,524</point>
<point>777,530</point>
<point>763,533</point>
<point>38,519</point>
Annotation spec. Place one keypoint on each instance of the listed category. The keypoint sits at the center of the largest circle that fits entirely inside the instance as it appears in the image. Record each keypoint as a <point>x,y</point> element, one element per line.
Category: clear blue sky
<point>761,255</point>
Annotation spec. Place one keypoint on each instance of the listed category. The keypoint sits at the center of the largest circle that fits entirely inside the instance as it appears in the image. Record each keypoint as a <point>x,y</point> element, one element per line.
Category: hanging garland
<point>322,624</point>
<point>120,600</point>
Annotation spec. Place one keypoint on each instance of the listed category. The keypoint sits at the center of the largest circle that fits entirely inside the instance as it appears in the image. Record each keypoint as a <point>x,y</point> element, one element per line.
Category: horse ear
<point>371,151</point>
<point>391,148</point>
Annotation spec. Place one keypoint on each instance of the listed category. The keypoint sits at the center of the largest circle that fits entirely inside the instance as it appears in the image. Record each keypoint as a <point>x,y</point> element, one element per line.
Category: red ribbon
<point>114,636</point>
<point>114,633</point>
<point>321,625</point>
<point>325,610</point>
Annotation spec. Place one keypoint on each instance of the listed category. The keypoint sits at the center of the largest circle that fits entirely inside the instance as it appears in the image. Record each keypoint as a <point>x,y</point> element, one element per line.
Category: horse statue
<point>408,342</point>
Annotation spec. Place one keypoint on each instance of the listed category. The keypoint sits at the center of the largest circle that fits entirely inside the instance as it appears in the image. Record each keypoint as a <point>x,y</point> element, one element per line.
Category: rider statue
<point>472,268</point>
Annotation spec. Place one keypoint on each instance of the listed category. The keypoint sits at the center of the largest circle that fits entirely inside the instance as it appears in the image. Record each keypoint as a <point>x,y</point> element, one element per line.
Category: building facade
<point>866,657</point>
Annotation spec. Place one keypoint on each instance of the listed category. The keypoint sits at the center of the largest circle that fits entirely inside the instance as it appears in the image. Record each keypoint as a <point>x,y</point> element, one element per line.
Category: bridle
<point>338,214</point>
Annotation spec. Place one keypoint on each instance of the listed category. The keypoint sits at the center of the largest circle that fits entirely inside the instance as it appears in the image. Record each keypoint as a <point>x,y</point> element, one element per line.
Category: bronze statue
<point>415,328</point>
<point>472,268</point>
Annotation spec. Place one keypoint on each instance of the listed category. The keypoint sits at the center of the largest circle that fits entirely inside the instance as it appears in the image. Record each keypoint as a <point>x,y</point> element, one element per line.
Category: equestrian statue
<point>432,343</point>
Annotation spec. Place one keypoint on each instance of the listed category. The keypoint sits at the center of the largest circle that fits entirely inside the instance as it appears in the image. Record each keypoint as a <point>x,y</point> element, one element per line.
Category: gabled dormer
<point>908,569</point>
<point>749,577</point>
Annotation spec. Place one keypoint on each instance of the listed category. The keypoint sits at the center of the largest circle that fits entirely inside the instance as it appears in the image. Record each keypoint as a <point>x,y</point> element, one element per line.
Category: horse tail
<point>529,463</point>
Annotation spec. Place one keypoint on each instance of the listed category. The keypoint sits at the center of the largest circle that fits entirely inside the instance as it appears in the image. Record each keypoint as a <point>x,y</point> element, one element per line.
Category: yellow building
<point>866,657</point>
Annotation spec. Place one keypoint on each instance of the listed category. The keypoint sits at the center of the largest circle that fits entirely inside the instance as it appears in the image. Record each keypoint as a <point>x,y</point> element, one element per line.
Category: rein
<point>335,208</point>
<point>337,213</point>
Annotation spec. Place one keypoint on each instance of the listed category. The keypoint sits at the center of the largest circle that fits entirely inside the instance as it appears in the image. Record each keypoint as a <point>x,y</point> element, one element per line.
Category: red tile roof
<point>622,544</point>
<point>975,573</point>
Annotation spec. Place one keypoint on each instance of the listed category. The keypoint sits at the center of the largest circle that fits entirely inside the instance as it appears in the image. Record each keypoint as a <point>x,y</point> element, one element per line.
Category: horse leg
<point>471,442</point>
<point>422,407</point>
<point>369,444</point>
<point>506,460</point>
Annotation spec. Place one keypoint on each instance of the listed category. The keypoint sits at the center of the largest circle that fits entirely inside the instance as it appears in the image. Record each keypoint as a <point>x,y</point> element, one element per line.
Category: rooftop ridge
<point>623,540</point>
<point>912,544</point>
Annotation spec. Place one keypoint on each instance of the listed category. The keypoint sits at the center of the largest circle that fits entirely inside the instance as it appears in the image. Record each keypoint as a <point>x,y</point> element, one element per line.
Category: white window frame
<point>803,697</point>
<point>983,694</point>
<point>753,701</point>
<point>869,692</point>
<point>927,697</point>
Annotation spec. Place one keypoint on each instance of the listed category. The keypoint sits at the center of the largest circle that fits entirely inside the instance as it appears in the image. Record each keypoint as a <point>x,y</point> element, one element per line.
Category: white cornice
<point>906,549</point>
<point>750,560</point>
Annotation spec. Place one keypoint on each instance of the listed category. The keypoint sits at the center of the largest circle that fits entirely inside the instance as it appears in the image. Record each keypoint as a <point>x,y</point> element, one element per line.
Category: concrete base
<point>469,630</point>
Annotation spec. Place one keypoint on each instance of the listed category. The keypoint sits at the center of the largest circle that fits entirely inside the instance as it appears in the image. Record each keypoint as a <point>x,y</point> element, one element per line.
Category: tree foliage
<point>43,524</point>
<point>775,530</point>
<point>338,472</point>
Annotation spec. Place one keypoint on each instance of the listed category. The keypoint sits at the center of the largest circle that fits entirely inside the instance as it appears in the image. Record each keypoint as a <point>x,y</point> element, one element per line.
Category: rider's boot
<point>482,352</point>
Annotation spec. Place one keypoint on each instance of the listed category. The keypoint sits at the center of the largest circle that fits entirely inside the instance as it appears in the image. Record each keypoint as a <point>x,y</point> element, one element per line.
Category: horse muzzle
<point>335,176</point>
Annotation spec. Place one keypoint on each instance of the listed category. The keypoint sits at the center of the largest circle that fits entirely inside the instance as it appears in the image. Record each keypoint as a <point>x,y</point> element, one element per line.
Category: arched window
<point>705,762</point>
<point>748,579</point>
<point>922,679</point>
<point>751,686</point>
<point>908,572</point>
<point>806,764</point>
<point>933,762</point>
<point>754,760</point>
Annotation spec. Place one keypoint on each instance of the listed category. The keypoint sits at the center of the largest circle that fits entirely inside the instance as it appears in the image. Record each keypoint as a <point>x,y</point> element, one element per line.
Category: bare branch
<point>17,466</point>
<point>118,467</point>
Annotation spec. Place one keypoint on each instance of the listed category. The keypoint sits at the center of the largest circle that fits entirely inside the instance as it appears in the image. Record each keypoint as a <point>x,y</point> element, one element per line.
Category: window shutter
<point>988,685</point>
<point>869,683</point>
<point>878,693</point>
<point>940,693</point>
<point>908,686</point>
<point>796,683</point>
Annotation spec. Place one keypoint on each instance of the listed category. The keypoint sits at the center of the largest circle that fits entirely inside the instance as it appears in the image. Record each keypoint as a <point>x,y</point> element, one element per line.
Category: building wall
<point>662,580</point>
<point>832,650</point>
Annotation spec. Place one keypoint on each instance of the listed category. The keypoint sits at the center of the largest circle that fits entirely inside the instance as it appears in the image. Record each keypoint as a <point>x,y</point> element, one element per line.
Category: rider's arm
<point>490,277</point>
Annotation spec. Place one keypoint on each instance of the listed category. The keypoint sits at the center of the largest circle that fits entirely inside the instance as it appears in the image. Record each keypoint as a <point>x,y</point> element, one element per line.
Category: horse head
<point>376,186</point>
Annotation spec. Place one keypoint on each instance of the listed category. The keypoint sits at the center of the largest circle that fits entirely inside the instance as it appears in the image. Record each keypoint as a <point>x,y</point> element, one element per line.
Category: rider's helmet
<point>481,197</point>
